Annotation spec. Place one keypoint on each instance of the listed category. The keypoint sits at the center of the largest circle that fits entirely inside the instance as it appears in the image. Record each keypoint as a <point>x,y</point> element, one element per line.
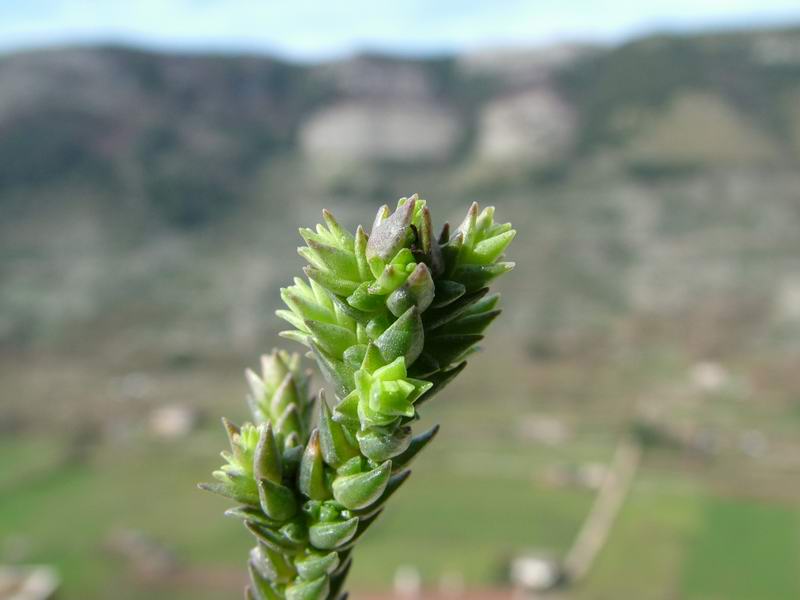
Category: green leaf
<point>487,251</point>
<point>261,588</point>
<point>334,371</point>
<point>448,348</point>
<point>339,262</point>
<point>329,536</point>
<point>471,323</point>
<point>363,300</point>
<point>316,589</point>
<point>249,513</point>
<point>333,339</point>
<point>395,481</point>
<point>336,449</point>
<point>284,395</point>
<point>441,316</point>
<point>439,381</point>
<point>243,496</point>
<point>331,282</point>
<point>289,422</point>
<point>363,525</point>
<point>359,491</point>
<point>379,446</point>
<point>304,305</point>
<point>338,578</point>
<point>277,501</point>
<point>315,564</point>
<point>344,237</point>
<point>274,539</point>
<point>477,276</point>
<point>405,337</point>
<point>272,565</point>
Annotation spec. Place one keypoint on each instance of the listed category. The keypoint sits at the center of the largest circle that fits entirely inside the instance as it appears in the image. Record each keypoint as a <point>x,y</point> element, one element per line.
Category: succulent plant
<point>389,318</point>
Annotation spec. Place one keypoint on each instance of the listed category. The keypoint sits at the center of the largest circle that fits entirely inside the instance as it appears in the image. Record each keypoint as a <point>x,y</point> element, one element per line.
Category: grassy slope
<point>677,538</point>
<point>444,519</point>
<point>476,496</point>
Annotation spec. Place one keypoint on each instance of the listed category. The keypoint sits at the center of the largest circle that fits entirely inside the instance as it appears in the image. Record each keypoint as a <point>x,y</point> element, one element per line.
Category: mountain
<point>152,198</point>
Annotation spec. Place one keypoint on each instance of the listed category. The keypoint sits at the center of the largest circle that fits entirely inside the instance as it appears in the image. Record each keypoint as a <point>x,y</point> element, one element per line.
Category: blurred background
<point>640,392</point>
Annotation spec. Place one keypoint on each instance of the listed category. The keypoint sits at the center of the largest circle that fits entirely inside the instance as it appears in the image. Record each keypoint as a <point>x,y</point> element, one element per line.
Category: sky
<point>316,29</point>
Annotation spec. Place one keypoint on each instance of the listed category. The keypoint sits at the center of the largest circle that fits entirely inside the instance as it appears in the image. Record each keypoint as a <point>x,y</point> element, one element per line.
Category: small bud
<point>267,459</point>
<point>444,234</point>
<point>344,237</point>
<point>431,251</point>
<point>257,388</point>
<point>467,227</point>
<point>233,432</point>
<point>285,395</point>
<point>361,242</point>
<point>311,478</point>
<point>418,290</point>
<point>274,368</point>
<point>289,421</point>
<point>382,214</point>
<point>391,234</point>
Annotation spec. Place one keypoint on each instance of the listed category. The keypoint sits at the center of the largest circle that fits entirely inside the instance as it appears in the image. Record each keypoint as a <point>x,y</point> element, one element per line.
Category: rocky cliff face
<point>389,130</point>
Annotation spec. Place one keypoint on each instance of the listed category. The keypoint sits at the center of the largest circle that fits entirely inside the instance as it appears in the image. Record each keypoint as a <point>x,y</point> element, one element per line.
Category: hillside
<point>142,189</point>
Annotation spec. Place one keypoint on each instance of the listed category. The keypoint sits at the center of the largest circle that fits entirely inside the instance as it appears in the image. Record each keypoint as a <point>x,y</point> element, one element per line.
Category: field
<point>696,525</point>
